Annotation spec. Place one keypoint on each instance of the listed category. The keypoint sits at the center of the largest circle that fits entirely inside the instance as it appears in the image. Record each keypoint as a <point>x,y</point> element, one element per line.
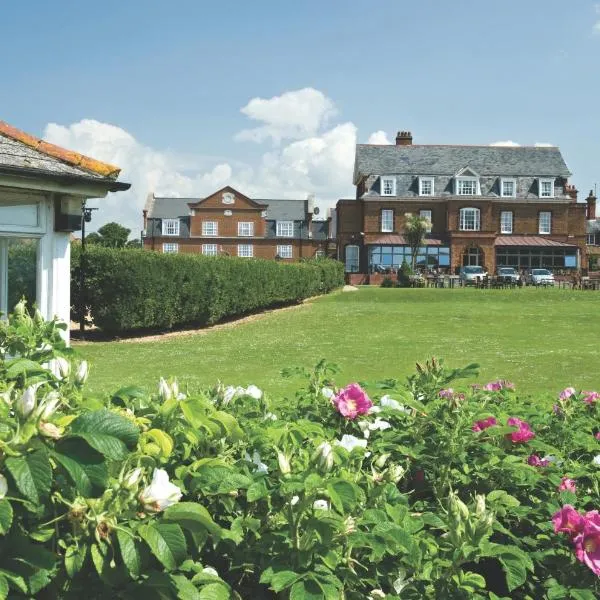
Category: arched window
<point>352,259</point>
<point>469,219</point>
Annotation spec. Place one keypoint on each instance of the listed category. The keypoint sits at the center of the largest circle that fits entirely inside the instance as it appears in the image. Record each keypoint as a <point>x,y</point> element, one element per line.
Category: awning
<point>530,240</point>
<point>394,239</point>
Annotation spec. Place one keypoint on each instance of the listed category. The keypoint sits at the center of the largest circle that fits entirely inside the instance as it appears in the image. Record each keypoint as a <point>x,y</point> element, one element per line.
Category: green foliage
<point>404,274</point>
<point>132,289</point>
<point>415,229</point>
<point>229,493</point>
<point>111,235</point>
<point>387,283</point>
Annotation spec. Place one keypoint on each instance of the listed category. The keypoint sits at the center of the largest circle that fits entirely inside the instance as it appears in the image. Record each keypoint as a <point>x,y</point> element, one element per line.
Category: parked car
<point>508,274</point>
<point>471,275</point>
<point>540,277</point>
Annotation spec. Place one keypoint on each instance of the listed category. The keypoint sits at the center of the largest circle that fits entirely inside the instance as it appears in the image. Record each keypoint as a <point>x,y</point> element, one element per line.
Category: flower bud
<point>324,456</point>
<point>164,390</point>
<point>480,505</point>
<point>82,373</point>
<point>63,367</point>
<point>26,403</point>
<point>50,430</point>
<point>376,594</point>
<point>284,463</point>
<point>38,318</point>
<point>381,460</point>
<point>19,310</point>
<point>395,473</point>
<point>175,388</point>
<point>48,405</point>
<point>132,478</point>
<point>3,486</point>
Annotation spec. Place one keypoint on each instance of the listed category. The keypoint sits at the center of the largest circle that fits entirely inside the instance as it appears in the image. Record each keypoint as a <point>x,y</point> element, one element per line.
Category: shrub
<point>387,283</point>
<point>404,274</point>
<point>422,492</point>
<point>136,289</point>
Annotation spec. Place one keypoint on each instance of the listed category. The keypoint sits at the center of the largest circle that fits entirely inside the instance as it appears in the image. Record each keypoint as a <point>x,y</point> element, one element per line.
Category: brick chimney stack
<point>404,138</point>
<point>571,191</point>
<point>590,212</point>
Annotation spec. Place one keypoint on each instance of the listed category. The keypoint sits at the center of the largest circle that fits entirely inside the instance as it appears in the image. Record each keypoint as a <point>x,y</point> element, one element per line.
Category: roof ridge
<point>62,154</point>
<point>529,147</point>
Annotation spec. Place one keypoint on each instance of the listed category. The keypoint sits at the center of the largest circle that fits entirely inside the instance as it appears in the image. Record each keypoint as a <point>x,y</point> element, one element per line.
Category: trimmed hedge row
<point>136,289</point>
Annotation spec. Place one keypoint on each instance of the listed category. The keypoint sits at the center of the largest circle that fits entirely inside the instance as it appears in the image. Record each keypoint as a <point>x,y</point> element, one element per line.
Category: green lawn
<point>542,339</point>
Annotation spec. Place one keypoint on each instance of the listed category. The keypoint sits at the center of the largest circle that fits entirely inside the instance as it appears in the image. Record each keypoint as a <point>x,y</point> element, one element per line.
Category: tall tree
<point>415,229</point>
<point>111,235</point>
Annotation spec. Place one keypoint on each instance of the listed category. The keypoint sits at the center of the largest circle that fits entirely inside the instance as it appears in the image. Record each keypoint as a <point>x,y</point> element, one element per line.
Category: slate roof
<point>509,161</point>
<point>24,154</point>
<point>395,239</point>
<point>277,210</point>
<point>592,226</point>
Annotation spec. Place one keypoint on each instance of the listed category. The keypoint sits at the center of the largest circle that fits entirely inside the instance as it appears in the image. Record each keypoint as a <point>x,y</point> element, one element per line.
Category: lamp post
<point>86,217</point>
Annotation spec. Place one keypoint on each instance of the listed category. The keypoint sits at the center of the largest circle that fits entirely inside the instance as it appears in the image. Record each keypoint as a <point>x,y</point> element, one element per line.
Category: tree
<point>415,228</point>
<point>111,235</point>
<point>135,243</point>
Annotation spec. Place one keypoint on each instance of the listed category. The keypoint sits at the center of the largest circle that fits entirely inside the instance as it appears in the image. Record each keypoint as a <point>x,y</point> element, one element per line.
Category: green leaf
<point>32,474</point>
<point>306,590</point>
<point>515,563</point>
<point>6,516</point>
<point>191,516</point>
<point>283,579</point>
<point>130,553</point>
<point>74,558</point>
<point>162,440</point>
<point>579,594</point>
<point>167,542</point>
<point>230,425</point>
<point>86,467</point>
<point>3,588</point>
<point>129,392</point>
<point>257,491</point>
<point>105,431</point>
<point>343,495</point>
<point>23,366</point>
<point>214,591</point>
<point>186,590</point>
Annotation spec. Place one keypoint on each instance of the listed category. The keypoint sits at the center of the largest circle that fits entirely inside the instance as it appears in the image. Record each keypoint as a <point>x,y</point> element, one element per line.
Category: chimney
<point>590,212</point>
<point>404,138</point>
<point>571,191</point>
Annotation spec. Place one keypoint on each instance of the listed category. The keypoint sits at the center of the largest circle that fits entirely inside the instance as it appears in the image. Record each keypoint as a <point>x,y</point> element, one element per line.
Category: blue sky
<point>171,79</point>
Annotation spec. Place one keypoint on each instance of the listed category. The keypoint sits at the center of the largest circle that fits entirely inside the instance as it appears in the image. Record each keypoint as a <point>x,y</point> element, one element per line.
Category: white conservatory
<point>42,188</point>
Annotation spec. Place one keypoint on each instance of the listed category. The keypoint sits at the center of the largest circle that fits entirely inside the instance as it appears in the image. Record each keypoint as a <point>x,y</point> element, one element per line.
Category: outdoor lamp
<point>67,214</point>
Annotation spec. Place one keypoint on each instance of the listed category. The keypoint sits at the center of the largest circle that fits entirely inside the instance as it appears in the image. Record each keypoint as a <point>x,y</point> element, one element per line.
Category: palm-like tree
<point>415,228</point>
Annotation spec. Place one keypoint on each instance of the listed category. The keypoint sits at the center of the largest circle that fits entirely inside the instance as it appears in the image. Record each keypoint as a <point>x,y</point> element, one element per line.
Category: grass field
<point>542,339</point>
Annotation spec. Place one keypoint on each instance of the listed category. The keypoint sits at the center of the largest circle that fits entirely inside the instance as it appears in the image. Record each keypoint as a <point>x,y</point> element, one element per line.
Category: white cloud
<point>543,145</point>
<point>316,159</point>
<point>293,115</point>
<point>506,143</point>
<point>379,137</point>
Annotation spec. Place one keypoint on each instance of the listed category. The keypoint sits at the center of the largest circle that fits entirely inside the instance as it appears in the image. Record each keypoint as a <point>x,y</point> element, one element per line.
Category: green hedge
<point>137,289</point>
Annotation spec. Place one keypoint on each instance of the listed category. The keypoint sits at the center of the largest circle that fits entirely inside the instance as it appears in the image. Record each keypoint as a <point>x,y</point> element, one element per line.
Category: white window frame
<point>387,220</point>
<point>384,179</point>
<point>245,250</point>
<point>541,183</point>
<point>210,228</point>
<point>462,222</point>
<point>429,180</point>
<point>427,214</point>
<point>461,180</point>
<point>347,264</point>
<point>285,229</point>
<point>514,184</point>
<point>209,249</point>
<point>170,248</point>
<point>542,229</point>
<point>245,229</point>
<point>170,226</point>
<point>506,223</point>
<point>285,251</point>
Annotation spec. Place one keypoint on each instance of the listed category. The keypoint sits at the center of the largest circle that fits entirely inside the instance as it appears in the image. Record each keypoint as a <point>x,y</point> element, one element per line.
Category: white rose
<point>270,417</point>
<point>48,405</point>
<point>321,505</point>
<point>324,456</point>
<point>376,594</point>
<point>260,466</point>
<point>284,463</point>
<point>295,500</point>
<point>254,392</point>
<point>327,393</point>
<point>26,403</point>
<point>349,442</point>
<point>63,366</point>
<point>596,460</point>
<point>379,424</point>
<point>161,493</point>
<point>3,486</point>
<point>388,402</point>
<point>228,394</point>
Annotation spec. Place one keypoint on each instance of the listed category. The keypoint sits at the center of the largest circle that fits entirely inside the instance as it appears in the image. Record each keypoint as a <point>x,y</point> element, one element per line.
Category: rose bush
<point>393,490</point>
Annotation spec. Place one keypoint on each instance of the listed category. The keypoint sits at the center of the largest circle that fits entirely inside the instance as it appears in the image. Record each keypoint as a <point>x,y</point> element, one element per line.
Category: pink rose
<point>567,393</point>
<point>587,546</point>
<point>590,397</point>
<point>567,485</point>
<point>535,461</point>
<point>484,424</point>
<point>500,384</point>
<point>448,393</point>
<point>597,436</point>
<point>522,434</point>
<point>352,401</point>
<point>567,520</point>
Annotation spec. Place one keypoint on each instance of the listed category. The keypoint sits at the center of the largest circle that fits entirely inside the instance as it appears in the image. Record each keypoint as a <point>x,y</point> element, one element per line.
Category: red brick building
<point>230,223</point>
<point>488,205</point>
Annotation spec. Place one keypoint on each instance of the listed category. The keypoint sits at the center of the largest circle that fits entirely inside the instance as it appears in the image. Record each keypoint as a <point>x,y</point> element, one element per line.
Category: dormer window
<point>388,186</point>
<point>467,186</point>
<point>546,187</point>
<point>508,188</point>
<point>426,186</point>
<point>228,198</point>
<point>170,226</point>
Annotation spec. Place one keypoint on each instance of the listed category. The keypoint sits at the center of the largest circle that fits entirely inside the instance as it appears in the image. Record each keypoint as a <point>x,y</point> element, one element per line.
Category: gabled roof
<point>24,154</point>
<point>228,188</point>
<point>507,161</point>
